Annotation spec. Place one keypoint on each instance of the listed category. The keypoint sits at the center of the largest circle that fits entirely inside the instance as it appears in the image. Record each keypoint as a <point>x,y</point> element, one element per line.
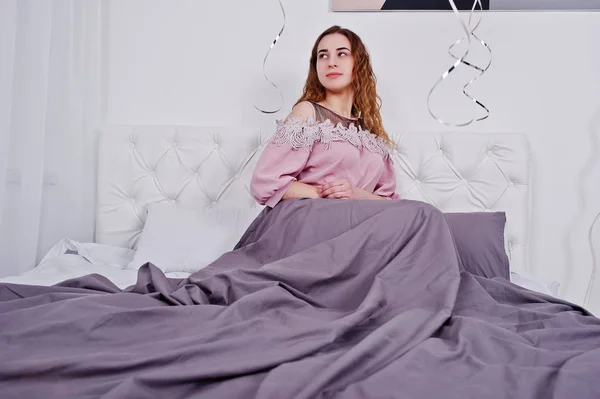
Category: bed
<point>193,290</point>
<point>431,167</point>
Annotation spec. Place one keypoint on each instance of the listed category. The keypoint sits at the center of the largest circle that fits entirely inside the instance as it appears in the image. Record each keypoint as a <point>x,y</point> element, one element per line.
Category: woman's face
<point>335,62</point>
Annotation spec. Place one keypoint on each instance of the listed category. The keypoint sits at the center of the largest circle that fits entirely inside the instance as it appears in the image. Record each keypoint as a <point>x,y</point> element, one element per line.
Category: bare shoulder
<point>303,111</point>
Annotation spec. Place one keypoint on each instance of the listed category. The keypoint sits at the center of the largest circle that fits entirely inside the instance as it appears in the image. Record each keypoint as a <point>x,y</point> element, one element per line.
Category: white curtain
<point>50,107</point>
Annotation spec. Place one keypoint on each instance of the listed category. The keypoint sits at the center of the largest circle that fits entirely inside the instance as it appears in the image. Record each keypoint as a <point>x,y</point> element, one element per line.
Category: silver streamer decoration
<point>588,292</point>
<point>265,65</point>
<point>469,33</point>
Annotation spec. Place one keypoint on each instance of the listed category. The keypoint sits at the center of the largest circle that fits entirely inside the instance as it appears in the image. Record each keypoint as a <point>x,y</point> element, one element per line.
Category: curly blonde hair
<point>367,102</point>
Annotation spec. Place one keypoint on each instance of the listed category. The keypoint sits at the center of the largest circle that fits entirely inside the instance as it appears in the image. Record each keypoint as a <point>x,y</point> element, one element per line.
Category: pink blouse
<point>314,152</point>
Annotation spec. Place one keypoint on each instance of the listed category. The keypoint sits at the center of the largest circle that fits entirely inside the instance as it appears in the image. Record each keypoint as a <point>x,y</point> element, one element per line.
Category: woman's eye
<point>322,55</point>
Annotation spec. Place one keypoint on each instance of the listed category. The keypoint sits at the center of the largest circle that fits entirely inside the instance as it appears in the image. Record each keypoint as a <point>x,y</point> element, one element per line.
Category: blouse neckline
<point>335,113</point>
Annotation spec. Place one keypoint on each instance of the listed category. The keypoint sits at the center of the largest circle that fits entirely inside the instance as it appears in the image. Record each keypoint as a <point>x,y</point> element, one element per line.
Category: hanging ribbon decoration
<point>469,34</point>
<point>265,65</point>
<point>588,292</point>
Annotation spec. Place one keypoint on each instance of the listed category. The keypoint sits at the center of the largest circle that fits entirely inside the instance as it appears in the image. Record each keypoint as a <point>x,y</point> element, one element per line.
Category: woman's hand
<point>341,189</point>
<point>301,190</point>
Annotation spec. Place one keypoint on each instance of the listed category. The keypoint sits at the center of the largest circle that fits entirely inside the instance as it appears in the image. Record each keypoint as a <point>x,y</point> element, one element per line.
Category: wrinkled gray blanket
<point>321,298</point>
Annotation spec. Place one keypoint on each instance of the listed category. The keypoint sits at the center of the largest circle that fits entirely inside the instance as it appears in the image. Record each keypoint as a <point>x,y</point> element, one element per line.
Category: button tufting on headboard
<point>201,166</point>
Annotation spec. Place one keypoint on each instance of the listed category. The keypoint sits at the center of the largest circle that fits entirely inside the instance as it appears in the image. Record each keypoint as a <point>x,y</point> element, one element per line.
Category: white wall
<point>190,62</point>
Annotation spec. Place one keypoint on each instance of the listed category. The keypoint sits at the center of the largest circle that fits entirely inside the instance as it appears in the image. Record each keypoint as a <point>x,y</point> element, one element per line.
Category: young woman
<point>332,145</point>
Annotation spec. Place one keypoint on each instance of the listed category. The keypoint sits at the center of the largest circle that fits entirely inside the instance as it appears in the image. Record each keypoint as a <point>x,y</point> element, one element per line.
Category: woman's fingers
<point>334,186</point>
<point>338,195</point>
<point>336,189</point>
<point>329,188</point>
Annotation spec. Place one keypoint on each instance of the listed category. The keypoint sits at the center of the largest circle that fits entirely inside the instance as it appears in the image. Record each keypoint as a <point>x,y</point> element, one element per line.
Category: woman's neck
<point>340,103</point>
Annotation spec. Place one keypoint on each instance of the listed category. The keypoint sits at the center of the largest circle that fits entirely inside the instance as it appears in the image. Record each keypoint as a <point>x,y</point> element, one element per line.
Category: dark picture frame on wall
<point>444,5</point>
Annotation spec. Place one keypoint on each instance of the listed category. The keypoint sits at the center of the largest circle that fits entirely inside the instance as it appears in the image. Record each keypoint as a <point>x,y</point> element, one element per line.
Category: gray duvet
<point>320,299</point>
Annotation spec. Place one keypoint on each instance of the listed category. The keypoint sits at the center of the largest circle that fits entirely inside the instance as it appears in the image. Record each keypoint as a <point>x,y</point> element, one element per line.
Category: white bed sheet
<point>70,259</point>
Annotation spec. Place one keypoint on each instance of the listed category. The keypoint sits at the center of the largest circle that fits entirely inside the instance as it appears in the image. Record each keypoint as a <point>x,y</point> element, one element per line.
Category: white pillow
<point>538,284</point>
<point>178,238</point>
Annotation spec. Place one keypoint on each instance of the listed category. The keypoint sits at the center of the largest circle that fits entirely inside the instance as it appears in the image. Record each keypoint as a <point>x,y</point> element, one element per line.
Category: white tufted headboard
<point>201,166</point>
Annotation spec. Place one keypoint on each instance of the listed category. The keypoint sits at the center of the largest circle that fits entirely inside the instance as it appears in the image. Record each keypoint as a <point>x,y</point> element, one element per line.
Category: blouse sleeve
<point>282,160</point>
<point>386,187</point>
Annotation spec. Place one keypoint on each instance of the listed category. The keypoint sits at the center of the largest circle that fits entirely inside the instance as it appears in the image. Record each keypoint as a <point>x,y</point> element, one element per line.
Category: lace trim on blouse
<point>299,133</point>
